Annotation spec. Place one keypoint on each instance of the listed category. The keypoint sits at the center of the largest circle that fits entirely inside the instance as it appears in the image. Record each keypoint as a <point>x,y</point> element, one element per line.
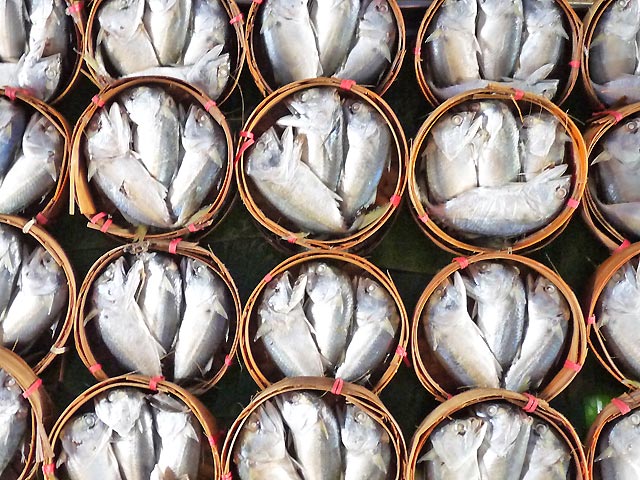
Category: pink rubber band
<point>49,469</point>
<point>347,84</point>
<point>462,261</point>
<point>417,51</point>
<point>574,63</point>
<point>228,360</point>
<point>625,243</point>
<point>532,404</point>
<point>267,278</point>
<point>448,395</point>
<point>617,116</point>
<point>236,19</point>
<point>98,101</point>
<point>424,218</point>
<point>336,389</point>
<point>402,353</point>
<point>591,320</point>
<point>518,94</point>
<point>209,105</point>
<point>10,92</point>
<point>95,368</point>
<point>153,382</point>
<point>576,367</point>
<point>212,441</point>
<point>395,200</point>
<point>173,245</point>
<point>32,389</point>
<point>97,217</point>
<point>573,203</point>
<point>292,239</point>
<point>192,227</point>
<point>75,7</point>
<point>621,406</point>
<point>229,475</point>
<point>259,2</point>
<point>41,219</point>
<point>248,142</point>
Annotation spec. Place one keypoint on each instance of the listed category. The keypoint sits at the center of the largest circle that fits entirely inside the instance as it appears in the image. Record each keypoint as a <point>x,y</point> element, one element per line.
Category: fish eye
<point>89,421</point>
<point>631,126</point>
<point>304,96</point>
<point>360,417</point>
<point>457,120</point>
<point>296,397</point>
<point>276,289</point>
<point>321,268</point>
<point>485,267</point>
<point>383,8</point>
<point>492,410</point>
<point>439,292</point>
<point>635,419</point>
<point>541,429</point>
<point>622,3</point>
<point>549,288</point>
<point>371,287</point>
<point>10,382</point>
<point>460,428</point>
<point>561,192</point>
<point>355,108</point>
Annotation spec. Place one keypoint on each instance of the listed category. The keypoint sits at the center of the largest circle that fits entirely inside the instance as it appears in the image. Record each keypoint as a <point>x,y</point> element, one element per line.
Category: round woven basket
<point>236,48</point>
<point>567,70</point>
<point>41,359</point>
<point>442,386</point>
<point>285,234</point>
<point>523,103</point>
<point>41,411</point>
<point>112,223</point>
<point>209,457</point>
<point>617,408</point>
<point>261,69</point>
<point>96,356</point>
<point>535,407</point>
<point>260,366</point>
<point>333,394</point>
<point>604,231</point>
<point>598,342</point>
<point>55,201</point>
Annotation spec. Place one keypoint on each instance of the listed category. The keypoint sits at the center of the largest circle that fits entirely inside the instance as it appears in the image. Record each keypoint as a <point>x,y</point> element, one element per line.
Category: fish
<point>49,25</point>
<point>167,22</point>
<point>367,446</point>
<point>450,155</point>
<point>501,303</point>
<point>35,172</point>
<point>87,450</point>
<point>456,340</point>
<point>618,447</point>
<point>544,39</point>
<point>452,45</point>
<point>334,23</point>
<point>499,33</point>
<point>108,134</point>
<point>205,321</point>
<point>376,322</point>
<point>373,49</point>
<point>284,328</point>
<point>40,74</point>
<point>178,431</point>
<point>290,186</point>
<point>315,434</point>
<point>289,41</point>
<point>209,28</point>
<point>510,210</point>
<point>329,308</point>
<point>542,143</point>
<point>126,412</point>
<point>455,446</point>
<point>260,450</point>
<point>205,152</point>
<point>15,416</point>
<point>369,140</point>
<point>160,296</point>
<point>12,254</point>
<point>156,132</point>
<point>14,37</point>
<point>502,453</point>
<point>548,457</point>
<point>42,294</point>
<point>623,216</point>
<point>13,121</point>
<point>624,89</point>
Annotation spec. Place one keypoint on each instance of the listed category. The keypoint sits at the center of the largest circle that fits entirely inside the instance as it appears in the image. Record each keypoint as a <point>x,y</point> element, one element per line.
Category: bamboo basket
<point>567,70</point>
<point>523,103</point>
<point>95,355</point>
<point>435,379</point>
<point>533,406</point>
<point>41,411</point>
<point>55,201</point>
<point>260,366</point>
<point>210,457</point>
<point>236,49</point>
<point>38,236</point>
<point>333,394</point>
<point>261,69</point>
<point>625,404</point>
<point>604,231</point>
<point>95,209</point>
<point>597,284</point>
<point>284,234</point>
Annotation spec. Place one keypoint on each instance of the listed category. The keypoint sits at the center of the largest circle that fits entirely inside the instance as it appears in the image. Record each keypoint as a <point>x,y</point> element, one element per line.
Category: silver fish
<point>13,40</point>
<point>260,450</point>
<point>452,45</point>
<point>450,155</point>
<point>13,120</point>
<point>542,143</point>
<point>126,412</point>
<point>367,450</point>
<point>205,153</point>
<point>288,38</point>
<point>372,52</point>
<point>108,134</point>
<point>14,417</point>
<point>210,28</point>
<point>376,322</point>
<point>623,216</point>
<point>548,457</point>
<point>315,433</point>
<point>290,185</point>
<point>618,449</point>
<point>329,308</point>
<point>42,294</point>
<point>284,330</point>
<point>510,210</point>
<point>501,303</point>
<point>49,25</point>
<point>167,22</point>
<point>87,451</point>
<point>334,24</point>
<point>625,88</point>
<point>205,321</point>
<point>39,74</point>
<point>12,254</point>
<point>369,140</point>
<point>499,33</point>
<point>456,340</point>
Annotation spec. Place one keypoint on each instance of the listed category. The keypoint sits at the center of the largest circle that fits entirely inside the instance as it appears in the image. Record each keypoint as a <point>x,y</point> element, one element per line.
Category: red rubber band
<point>347,84</point>
<point>573,203</point>
<point>41,219</point>
<point>153,382</point>
<point>424,218</point>
<point>212,441</point>
<point>574,63</point>
<point>228,360</point>
<point>532,404</point>
<point>518,94</point>
<point>192,227</point>
<point>292,239</point>
<point>449,396</point>
<point>173,245</point>
<point>625,243</point>
<point>95,368</point>
<point>32,389</point>
<point>97,217</point>
<point>10,92</point>
<point>336,389</point>
<point>236,19</point>
<point>402,353</point>
<point>267,278</point>
<point>591,320</point>
<point>229,475</point>
<point>259,2</point>
<point>576,367</point>
<point>617,116</point>
<point>417,51</point>
<point>462,261</point>
<point>75,7</point>
<point>248,142</point>
<point>98,101</point>
<point>395,200</point>
<point>49,469</point>
<point>106,225</point>
<point>621,406</point>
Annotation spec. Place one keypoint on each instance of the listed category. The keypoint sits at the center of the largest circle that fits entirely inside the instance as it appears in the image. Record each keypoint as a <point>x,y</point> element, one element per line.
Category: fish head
<point>198,128</point>
<point>624,437</point>
<point>371,296</point>
<point>41,137</point>
<point>211,72</point>
<point>11,399</point>
<point>262,438</point>
<point>277,293</point>
<point>289,9</point>
<point>621,293</point>
<point>108,133</point>
<point>120,409</point>
<point>498,8</point>
<point>540,132</point>
<point>454,131</point>
<point>545,296</point>
<point>11,250</point>
<point>40,75</point>
<point>172,417</point>
<point>624,19</point>
<point>109,286</point>
<point>459,10</point>
<point>491,279</point>
<point>378,16</point>
<point>360,432</point>
<point>121,17</point>
<point>549,449</point>
<point>41,273</point>
<point>320,105</point>
<point>322,281</point>
<point>449,296</point>
<point>300,410</point>
<point>457,440</point>
<point>199,282</point>
<point>143,102</point>
<point>359,115</point>
<point>265,161</point>
<point>506,423</point>
<point>623,142</point>
<point>84,436</point>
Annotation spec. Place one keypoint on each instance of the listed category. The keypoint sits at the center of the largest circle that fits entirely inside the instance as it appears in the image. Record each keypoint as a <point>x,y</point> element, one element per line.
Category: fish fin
<point>219,309</point>
<point>603,156</point>
<point>556,331</point>
<point>379,462</point>
<point>50,167</point>
<point>388,327</point>
<point>609,452</point>
<point>92,168</point>
<point>297,294</point>
<point>384,49</point>
<point>264,329</point>
<point>437,33</point>
<point>559,30</point>
<point>62,459</point>
<point>292,121</point>
<point>540,74</point>
<point>430,456</point>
